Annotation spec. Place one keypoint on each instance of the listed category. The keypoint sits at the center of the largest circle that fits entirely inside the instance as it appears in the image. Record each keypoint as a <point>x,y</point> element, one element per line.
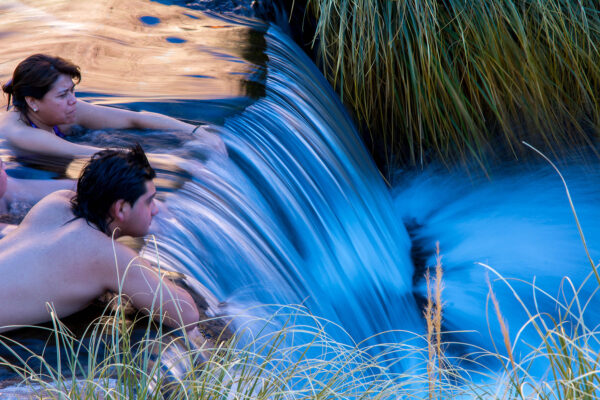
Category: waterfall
<point>299,212</point>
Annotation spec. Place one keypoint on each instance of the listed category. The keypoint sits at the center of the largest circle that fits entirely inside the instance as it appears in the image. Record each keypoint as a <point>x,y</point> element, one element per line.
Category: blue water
<point>516,232</point>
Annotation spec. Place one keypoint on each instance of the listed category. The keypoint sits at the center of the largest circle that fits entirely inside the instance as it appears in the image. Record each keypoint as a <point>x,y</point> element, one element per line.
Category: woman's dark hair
<point>34,76</point>
<point>110,175</point>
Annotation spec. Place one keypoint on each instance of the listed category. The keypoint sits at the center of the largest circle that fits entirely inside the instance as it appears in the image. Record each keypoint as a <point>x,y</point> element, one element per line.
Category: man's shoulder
<point>64,193</point>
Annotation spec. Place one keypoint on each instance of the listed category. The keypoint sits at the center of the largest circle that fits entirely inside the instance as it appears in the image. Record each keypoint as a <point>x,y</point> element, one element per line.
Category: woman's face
<point>58,105</point>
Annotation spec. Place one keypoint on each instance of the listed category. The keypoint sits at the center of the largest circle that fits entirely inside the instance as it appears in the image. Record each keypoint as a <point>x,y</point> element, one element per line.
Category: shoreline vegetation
<point>457,81</point>
<point>290,354</point>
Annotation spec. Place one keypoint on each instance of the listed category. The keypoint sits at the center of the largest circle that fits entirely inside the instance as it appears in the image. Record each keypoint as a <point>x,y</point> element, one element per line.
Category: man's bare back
<point>53,258</point>
<point>48,259</point>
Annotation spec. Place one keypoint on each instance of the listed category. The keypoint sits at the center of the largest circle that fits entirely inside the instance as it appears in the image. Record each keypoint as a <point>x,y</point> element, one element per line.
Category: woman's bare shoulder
<point>10,121</point>
<point>61,195</point>
<point>55,204</point>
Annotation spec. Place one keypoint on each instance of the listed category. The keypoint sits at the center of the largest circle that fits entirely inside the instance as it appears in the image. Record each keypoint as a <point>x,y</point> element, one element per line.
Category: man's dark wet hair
<point>34,77</point>
<point>109,176</point>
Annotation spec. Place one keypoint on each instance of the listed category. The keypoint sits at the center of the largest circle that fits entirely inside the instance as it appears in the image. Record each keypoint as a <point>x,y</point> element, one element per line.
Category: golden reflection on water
<point>120,55</point>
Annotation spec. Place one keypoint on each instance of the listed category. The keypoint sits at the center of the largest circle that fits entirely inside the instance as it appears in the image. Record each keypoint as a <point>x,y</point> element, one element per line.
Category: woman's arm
<point>94,116</point>
<point>33,190</point>
<point>38,141</point>
<point>5,229</point>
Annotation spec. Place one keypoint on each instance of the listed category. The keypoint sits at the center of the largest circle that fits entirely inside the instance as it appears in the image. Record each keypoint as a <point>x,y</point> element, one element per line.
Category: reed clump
<point>289,354</point>
<point>458,80</point>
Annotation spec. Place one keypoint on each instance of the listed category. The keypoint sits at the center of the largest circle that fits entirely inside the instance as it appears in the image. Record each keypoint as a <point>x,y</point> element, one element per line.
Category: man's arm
<point>148,291</point>
<point>5,229</point>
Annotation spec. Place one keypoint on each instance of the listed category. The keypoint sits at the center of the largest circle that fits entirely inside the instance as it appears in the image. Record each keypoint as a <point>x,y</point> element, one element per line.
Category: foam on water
<point>519,224</point>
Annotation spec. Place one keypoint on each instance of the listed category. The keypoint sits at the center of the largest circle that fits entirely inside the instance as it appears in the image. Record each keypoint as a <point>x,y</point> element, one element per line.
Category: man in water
<point>63,255</point>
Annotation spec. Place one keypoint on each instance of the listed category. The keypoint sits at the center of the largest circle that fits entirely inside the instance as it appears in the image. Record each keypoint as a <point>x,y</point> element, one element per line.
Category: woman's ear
<point>119,211</point>
<point>32,103</point>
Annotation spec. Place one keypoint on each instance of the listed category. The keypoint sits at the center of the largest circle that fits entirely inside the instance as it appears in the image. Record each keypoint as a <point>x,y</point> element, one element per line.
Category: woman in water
<point>45,108</point>
<point>18,195</point>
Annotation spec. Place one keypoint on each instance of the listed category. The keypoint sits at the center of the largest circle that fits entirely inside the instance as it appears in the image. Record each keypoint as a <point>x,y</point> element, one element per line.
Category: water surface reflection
<point>140,53</point>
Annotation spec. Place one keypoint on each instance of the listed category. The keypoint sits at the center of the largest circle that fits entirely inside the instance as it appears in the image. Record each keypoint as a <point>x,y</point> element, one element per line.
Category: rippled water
<point>140,53</point>
<point>299,213</point>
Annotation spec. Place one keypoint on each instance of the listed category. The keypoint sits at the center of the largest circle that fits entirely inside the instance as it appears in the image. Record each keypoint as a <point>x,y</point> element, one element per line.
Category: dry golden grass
<point>433,320</point>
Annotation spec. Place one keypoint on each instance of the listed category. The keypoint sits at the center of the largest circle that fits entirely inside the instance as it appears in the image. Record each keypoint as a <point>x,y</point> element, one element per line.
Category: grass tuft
<point>456,80</point>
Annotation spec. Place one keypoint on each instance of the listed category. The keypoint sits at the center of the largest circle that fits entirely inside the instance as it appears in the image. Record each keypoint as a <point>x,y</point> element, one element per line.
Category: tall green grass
<point>453,80</point>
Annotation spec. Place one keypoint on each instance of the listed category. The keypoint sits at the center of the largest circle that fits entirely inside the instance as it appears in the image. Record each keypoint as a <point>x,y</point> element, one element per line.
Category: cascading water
<point>299,213</point>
